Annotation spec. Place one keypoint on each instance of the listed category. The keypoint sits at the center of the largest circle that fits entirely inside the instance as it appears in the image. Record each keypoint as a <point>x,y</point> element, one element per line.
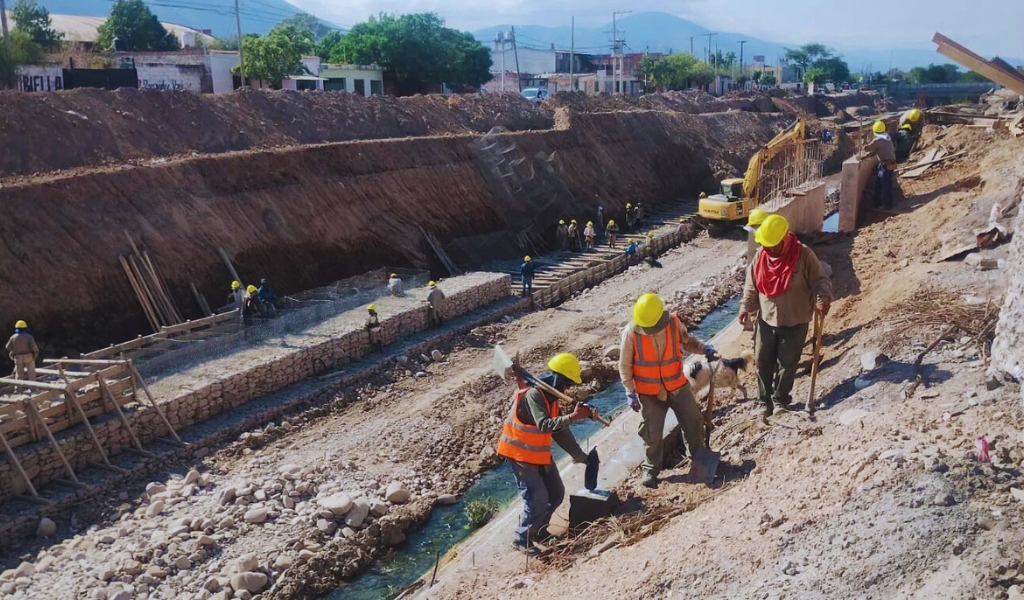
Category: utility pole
<point>241,57</point>
<point>7,43</point>
<point>572,55</point>
<point>616,50</point>
<point>691,44</point>
<point>707,58</point>
<point>515,51</point>
<point>741,57</point>
<point>499,38</point>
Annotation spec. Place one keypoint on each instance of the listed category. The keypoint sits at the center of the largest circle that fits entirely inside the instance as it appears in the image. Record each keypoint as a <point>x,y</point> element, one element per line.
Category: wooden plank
<point>976,63</point>
<point>124,420</point>
<point>920,169</point>
<point>198,323</point>
<point>231,267</point>
<point>53,443</point>
<point>83,361</point>
<point>39,385</point>
<point>146,308</point>
<point>116,349</point>
<point>138,380</point>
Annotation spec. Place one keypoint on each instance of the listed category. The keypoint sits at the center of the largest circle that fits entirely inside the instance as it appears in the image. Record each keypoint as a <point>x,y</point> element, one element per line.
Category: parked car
<point>535,95</point>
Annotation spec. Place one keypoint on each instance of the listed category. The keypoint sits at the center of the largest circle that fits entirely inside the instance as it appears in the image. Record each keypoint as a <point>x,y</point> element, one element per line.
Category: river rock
<point>154,488</point>
<point>338,504</point>
<point>447,499</point>
<point>356,516</point>
<point>396,493</point>
<point>290,471</point>
<point>155,508</point>
<point>326,527</point>
<point>46,528</point>
<point>191,477</point>
<point>378,508</point>
<point>120,595</point>
<point>611,352</point>
<point>251,581</point>
<point>246,562</point>
<point>436,355</point>
<point>226,495</point>
<point>257,515</point>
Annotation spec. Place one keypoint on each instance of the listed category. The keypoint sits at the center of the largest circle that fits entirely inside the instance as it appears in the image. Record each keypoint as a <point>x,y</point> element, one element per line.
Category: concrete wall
<point>1008,346</point>
<point>249,380</point>
<point>221,63</point>
<point>805,210</point>
<point>40,78</point>
<point>350,73</point>
<point>855,176</point>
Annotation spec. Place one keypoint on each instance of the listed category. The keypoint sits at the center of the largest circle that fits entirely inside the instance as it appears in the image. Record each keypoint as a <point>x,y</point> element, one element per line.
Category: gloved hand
<point>710,353</point>
<point>634,401</point>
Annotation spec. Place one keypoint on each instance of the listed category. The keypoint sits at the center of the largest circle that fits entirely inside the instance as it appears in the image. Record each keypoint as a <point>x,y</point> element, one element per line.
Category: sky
<point>989,27</point>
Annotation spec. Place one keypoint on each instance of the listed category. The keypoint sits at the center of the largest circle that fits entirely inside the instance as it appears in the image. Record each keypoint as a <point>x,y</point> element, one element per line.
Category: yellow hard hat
<point>703,195</point>
<point>590,223</point>
<point>907,126</point>
<point>235,285</point>
<point>757,216</point>
<point>561,222</point>
<point>566,365</point>
<point>878,127</point>
<point>573,221</point>
<point>432,284</point>
<point>251,289</point>
<point>772,231</point>
<point>650,234</point>
<point>611,222</point>
<point>628,205</point>
<point>914,115</point>
<point>394,275</point>
<point>372,308</point>
<point>648,310</point>
<point>21,325</point>
<point>527,258</point>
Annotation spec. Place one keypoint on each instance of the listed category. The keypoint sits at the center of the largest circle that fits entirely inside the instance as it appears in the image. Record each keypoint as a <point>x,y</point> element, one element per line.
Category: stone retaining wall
<point>230,382</point>
<point>1008,346</point>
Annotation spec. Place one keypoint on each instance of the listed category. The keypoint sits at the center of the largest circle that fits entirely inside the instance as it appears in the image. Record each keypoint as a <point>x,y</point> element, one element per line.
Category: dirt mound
<point>86,127</point>
<point>691,102</point>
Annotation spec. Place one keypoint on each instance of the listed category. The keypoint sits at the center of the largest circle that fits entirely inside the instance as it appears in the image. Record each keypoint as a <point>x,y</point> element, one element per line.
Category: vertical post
<point>7,43</point>
<point>572,55</point>
<point>515,51</point>
<point>742,42</point>
<point>241,57</point>
<point>615,50</point>
<point>691,45</point>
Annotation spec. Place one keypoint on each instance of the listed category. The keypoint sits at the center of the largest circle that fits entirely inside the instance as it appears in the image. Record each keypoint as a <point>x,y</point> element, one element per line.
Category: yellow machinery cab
<point>730,205</point>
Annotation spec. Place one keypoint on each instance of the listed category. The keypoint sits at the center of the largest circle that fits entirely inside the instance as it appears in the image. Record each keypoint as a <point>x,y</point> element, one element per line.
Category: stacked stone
<point>349,341</point>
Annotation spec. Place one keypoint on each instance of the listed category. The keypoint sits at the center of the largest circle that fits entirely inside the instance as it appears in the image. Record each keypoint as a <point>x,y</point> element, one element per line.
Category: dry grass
<point>934,309</point>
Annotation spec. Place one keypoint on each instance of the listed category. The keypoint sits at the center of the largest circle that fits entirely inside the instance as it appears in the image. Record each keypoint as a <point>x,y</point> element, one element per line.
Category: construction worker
<point>589,235</point>
<point>24,352</point>
<point>630,216</point>
<point>882,147</point>
<point>632,251</point>
<point>785,285</point>
<point>236,296</point>
<point>250,305</point>
<point>527,271</point>
<point>703,195</point>
<point>563,235</point>
<point>267,298</point>
<point>574,236</point>
<point>533,421</point>
<point>611,232</point>
<point>904,142</point>
<point>639,216</point>
<point>915,118</point>
<point>754,220</point>
<point>651,368</point>
<point>373,327</point>
<point>395,285</point>
<point>435,300</point>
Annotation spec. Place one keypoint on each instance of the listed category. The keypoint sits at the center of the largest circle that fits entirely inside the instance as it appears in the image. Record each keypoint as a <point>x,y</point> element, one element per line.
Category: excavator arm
<point>795,132</point>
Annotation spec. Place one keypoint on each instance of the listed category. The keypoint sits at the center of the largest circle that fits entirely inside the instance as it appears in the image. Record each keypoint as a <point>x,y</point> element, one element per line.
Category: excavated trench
<point>306,216</point>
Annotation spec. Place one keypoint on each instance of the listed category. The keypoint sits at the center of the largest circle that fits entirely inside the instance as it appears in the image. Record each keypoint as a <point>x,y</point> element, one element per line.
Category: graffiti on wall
<point>40,83</point>
<point>163,84</point>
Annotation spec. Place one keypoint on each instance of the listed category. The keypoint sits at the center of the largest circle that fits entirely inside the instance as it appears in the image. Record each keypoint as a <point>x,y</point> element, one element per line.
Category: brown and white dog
<point>698,371</point>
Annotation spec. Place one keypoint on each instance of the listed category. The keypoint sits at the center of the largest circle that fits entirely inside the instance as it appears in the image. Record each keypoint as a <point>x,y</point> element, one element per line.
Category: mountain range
<point>662,32</point>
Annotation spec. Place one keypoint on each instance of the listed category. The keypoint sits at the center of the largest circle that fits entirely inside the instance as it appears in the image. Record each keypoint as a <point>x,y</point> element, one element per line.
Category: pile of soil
<point>89,127</point>
<point>690,101</point>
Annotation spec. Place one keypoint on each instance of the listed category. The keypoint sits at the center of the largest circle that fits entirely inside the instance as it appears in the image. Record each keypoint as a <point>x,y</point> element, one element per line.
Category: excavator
<point>741,195</point>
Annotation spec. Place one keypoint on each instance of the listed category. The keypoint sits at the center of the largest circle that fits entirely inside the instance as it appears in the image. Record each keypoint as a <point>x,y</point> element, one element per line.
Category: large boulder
<point>251,581</point>
<point>338,504</point>
<point>397,493</point>
<point>356,516</point>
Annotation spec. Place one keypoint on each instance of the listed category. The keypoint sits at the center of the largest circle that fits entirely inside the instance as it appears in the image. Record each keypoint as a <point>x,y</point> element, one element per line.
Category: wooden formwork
<point>170,337</point>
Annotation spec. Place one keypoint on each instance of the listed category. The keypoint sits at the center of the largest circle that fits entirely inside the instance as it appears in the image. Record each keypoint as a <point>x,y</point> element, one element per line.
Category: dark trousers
<point>883,188</point>
<point>652,425</point>
<point>542,491</point>
<point>778,351</point>
<point>434,315</point>
<point>527,286</point>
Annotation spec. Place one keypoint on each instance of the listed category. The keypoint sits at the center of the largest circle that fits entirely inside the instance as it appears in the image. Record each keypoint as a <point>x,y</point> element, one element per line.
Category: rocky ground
<point>292,509</point>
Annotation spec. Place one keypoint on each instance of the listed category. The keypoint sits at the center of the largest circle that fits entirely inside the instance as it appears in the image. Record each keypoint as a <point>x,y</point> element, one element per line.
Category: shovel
<point>505,366</point>
<point>819,325</point>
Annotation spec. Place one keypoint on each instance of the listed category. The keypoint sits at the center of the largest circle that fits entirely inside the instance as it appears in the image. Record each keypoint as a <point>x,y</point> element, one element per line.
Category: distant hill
<point>258,16</point>
<point>662,32</point>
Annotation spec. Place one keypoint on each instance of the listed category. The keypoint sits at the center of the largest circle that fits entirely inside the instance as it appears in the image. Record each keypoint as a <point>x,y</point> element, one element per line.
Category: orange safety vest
<point>650,371</point>
<point>522,442</point>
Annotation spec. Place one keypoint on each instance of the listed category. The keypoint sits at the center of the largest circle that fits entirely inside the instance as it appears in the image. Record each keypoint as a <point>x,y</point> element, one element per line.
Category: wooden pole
<point>162,285</point>
<point>138,294</point>
<point>819,325</point>
<point>231,267</point>
<point>17,464</point>
<point>136,380</point>
<point>199,300</point>
<point>72,397</point>
<point>53,441</point>
<point>124,420</point>
<point>158,308</point>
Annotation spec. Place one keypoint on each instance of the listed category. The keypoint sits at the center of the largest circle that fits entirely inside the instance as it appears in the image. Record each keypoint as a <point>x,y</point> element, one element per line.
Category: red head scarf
<point>772,273</point>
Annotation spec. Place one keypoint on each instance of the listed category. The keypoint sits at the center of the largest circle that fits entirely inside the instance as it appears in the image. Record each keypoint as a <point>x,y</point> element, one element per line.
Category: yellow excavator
<point>741,195</point>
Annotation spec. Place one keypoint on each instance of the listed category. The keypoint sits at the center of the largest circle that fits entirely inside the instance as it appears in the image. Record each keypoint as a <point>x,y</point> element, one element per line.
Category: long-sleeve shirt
<point>396,287</point>
<point>527,270</point>
<point>265,294</point>
<point>372,322</point>
<point>535,412</point>
<point>611,229</point>
<point>659,335</point>
<point>236,297</point>
<point>882,147</point>
<point>808,284</point>
<point>435,298</point>
<point>589,232</point>
<point>22,344</point>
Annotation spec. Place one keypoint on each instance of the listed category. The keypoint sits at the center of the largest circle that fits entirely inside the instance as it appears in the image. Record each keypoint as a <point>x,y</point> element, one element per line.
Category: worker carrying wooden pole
<point>785,286</point>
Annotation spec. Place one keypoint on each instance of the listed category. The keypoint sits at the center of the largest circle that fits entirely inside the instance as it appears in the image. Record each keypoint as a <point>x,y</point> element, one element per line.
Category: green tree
<point>815,75</point>
<point>303,38</point>
<point>767,80</point>
<point>416,51</point>
<point>701,75</point>
<point>803,57</point>
<point>271,58</point>
<point>229,42</point>
<point>326,44</point>
<point>835,68</point>
<point>35,21</point>
<point>317,28</point>
<point>24,51</point>
<point>933,73</point>
<point>972,77</point>
<point>756,76</point>
<point>137,27</point>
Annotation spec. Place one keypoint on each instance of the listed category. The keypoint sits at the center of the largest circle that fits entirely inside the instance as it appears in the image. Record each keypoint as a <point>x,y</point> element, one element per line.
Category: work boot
<point>784,403</point>
<point>649,480</point>
<point>704,465</point>
<point>529,550</point>
<point>769,408</point>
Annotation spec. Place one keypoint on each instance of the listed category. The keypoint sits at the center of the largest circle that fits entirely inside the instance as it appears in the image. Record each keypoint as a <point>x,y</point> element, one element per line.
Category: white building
<point>365,80</point>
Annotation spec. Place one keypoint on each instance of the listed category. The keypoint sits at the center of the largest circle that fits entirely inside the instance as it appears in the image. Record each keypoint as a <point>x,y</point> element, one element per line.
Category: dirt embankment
<point>86,127</point>
<point>307,216</point>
